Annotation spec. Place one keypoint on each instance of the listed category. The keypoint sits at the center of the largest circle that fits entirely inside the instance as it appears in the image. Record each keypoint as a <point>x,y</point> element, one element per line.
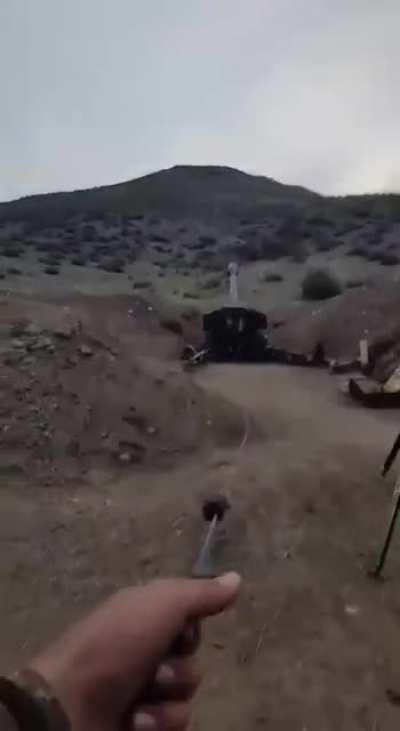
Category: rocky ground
<point>312,642</point>
<point>108,448</point>
<point>93,383</point>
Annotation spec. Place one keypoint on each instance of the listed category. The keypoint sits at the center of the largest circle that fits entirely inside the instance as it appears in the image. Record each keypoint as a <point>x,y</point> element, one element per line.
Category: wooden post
<point>364,359</point>
<point>389,533</point>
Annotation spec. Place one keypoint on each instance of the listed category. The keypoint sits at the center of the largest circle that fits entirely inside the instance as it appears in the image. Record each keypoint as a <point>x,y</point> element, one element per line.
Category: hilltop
<point>209,192</point>
<point>172,233</point>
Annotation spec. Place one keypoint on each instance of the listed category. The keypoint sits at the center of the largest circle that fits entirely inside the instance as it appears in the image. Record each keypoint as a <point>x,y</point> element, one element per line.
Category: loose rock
<point>85,350</point>
<point>125,457</point>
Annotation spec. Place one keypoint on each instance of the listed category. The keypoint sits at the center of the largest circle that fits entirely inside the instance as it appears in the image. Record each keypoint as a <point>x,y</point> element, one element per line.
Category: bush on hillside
<point>142,284</point>
<point>89,233</point>
<point>357,251</point>
<point>212,282</point>
<point>388,259</point>
<point>117,266</point>
<point>207,240</point>
<point>272,277</point>
<point>353,283</point>
<point>320,284</point>
<point>50,260</point>
<point>79,261</point>
<point>103,250</point>
<point>300,255</point>
<point>373,239</point>
<point>325,243</point>
<point>159,238</point>
<point>319,220</point>
<point>43,246</point>
<point>374,256</point>
<point>13,270</point>
<point>272,249</point>
<point>52,270</point>
<point>11,252</point>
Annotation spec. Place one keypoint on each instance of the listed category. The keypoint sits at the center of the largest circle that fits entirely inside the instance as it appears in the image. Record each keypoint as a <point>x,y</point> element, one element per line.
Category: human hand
<point>119,669</point>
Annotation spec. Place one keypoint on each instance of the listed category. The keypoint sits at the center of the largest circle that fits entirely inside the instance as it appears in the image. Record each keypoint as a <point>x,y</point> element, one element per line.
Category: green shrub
<point>13,270</point>
<point>52,270</point>
<point>207,240</point>
<point>159,239</point>
<point>300,255</point>
<point>89,233</point>
<point>272,277</point>
<point>320,284</point>
<point>353,283</point>
<point>117,266</point>
<point>325,243</point>
<point>358,251</point>
<point>144,284</point>
<point>374,256</point>
<point>389,259</point>
<point>11,252</point>
<point>269,248</point>
<point>318,220</point>
<point>212,282</point>
<point>50,260</point>
<point>79,261</point>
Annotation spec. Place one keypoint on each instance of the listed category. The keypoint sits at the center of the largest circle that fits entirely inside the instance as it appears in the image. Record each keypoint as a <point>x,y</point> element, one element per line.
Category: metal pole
<point>391,456</point>
<point>389,535</point>
<point>203,567</point>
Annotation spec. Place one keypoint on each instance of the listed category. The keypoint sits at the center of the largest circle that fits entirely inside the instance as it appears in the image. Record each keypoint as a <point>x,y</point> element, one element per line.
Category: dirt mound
<point>76,394</point>
<point>371,312</point>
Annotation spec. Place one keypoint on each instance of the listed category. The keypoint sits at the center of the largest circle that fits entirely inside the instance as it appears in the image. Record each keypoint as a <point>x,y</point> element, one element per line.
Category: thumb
<point>205,597</point>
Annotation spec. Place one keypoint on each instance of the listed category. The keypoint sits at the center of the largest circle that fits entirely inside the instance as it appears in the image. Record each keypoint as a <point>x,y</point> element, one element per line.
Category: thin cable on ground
<point>246,421</point>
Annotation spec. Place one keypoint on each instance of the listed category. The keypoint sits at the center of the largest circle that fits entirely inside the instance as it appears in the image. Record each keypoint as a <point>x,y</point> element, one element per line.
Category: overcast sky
<point>99,91</point>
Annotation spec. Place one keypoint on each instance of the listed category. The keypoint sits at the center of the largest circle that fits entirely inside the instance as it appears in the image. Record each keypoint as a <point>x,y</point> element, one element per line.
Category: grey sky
<point>98,91</point>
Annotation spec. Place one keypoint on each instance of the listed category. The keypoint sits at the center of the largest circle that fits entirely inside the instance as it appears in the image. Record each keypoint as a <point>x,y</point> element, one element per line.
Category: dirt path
<point>312,643</point>
<point>321,635</point>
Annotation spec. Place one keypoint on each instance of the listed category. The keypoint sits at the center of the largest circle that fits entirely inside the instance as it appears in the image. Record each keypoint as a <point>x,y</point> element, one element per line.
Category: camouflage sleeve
<point>7,722</point>
<point>30,702</point>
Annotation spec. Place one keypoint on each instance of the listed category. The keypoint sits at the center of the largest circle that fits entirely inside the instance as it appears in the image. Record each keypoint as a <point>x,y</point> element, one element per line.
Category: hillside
<point>183,191</point>
<point>172,233</point>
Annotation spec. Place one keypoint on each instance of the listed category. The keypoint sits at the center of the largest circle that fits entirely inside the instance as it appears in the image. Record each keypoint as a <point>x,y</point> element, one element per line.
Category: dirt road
<point>313,643</point>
